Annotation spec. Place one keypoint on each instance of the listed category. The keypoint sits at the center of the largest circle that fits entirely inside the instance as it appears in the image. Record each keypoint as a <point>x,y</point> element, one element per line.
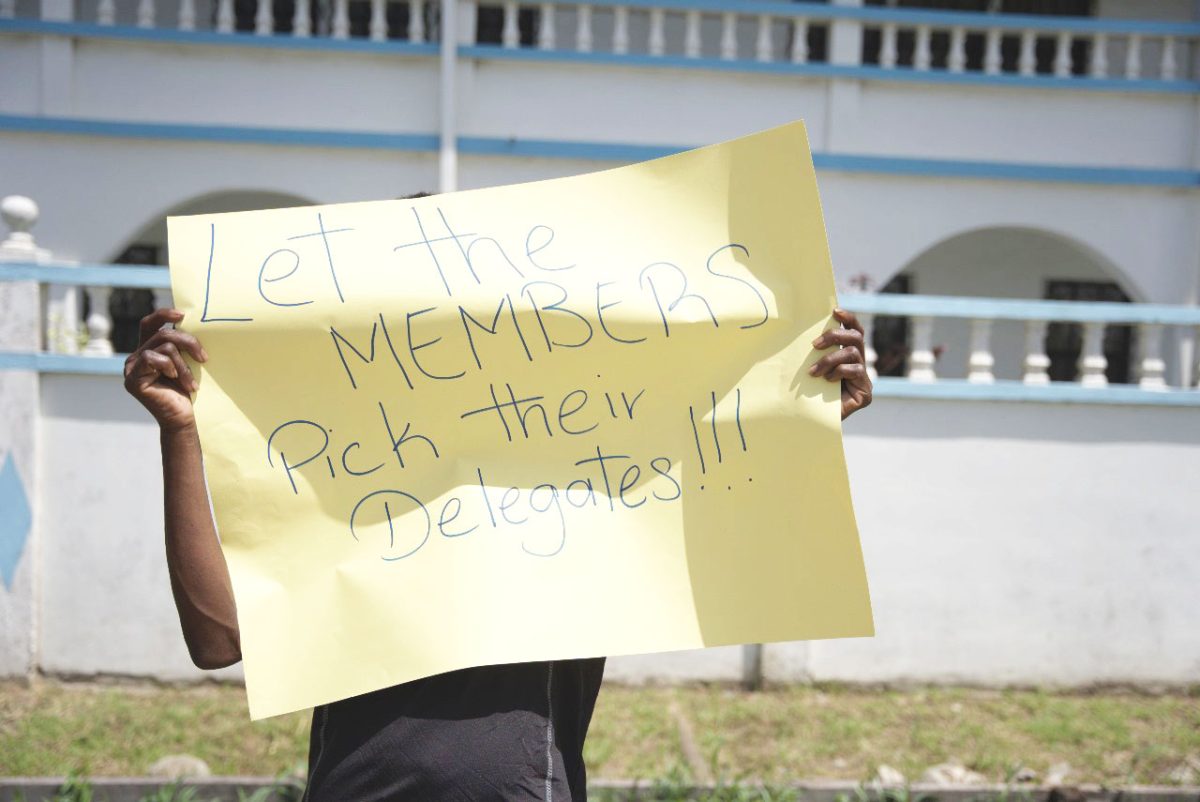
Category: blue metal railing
<point>1186,33</point>
<point>1019,309</point>
<point>907,17</point>
<point>915,306</point>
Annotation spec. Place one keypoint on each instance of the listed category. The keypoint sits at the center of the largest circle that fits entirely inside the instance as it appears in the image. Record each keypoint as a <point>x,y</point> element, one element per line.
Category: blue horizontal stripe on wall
<point>554,149</point>
<point>1055,393</point>
<point>823,70</point>
<point>239,39</point>
<point>307,137</point>
<point>1011,171</point>
<point>594,151</point>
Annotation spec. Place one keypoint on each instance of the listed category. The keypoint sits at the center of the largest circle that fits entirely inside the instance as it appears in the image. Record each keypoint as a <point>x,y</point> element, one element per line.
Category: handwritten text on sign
<point>542,421</point>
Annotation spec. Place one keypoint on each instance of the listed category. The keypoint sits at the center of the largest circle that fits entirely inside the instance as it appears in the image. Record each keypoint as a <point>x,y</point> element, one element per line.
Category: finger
<point>854,401</point>
<point>849,320</point>
<point>182,372</point>
<point>840,357</point>
<point>843,337</point>
<point>850,372</point>
<point>181,339</point>
<point>155,321</point>
<point>150,366</point>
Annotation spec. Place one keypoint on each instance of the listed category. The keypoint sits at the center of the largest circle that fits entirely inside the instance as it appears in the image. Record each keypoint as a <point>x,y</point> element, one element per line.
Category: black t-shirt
<point>506,733</point>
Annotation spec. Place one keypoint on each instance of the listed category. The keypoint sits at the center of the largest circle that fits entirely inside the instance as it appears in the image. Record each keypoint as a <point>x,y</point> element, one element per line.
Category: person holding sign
<point>504,732</point>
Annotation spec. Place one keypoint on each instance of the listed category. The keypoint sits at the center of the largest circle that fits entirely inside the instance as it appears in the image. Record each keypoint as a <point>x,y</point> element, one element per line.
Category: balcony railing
<point>751,34</point>
<point>76,343</point>
<point>1152,321</point>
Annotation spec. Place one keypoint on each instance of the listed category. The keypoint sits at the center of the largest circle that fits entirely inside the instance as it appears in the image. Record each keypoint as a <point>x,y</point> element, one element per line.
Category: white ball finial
<point>20,215</point>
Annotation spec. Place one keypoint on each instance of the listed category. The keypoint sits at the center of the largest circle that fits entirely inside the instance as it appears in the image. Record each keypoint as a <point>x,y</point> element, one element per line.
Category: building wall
<point>1004,543</point>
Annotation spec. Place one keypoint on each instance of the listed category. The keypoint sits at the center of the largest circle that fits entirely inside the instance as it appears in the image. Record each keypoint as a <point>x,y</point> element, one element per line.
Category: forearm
<point>199,576</point>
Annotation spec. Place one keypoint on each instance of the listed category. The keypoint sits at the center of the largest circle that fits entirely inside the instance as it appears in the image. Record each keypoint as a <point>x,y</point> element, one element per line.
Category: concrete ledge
<point>134,789</point>
<point>226,789</point>
<point>835,790</point>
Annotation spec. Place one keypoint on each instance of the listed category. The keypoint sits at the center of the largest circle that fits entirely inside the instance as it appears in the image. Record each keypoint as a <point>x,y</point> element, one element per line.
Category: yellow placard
<point>544,421</point>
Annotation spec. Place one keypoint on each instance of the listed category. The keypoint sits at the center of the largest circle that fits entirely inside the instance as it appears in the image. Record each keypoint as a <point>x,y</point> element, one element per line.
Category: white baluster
<point>1191,344</point>
<point>510,33</point>
<point>1062,55</point>
<point>691,34</point>
<point>657,40</point>
<point>921,360</point>
<point>163,299</point>
<point>991,52</point>
<point>341,19</point>
<point>301,20</point>
<point>1037,364</point>
<point>981,361</point>
<point>145,14</point>
<point>583,29</point>
<point>546,38</point>
<point>187,15</point>
<point>729,36</point>
<point>1092,362</point>
<point>923,57</point>
<point>377,30</point>
<point>99,322</point>
<point>264,21</point>
<point>957,60</point>
<point>762,45</point>
<point>416,20</point>
<point>1098,68</point>
<point>800,40</point>
<point>869,355</point>
<point>224,16</point>
<point>620,42</point>
<point>106,12</point>
<point>8,9</point>
<point>1133,57</point>
<point>1027,61</point>
<point>887,47</point>
<point>62,319</point>
<point>1153,368</point>
<point>1169,67</point>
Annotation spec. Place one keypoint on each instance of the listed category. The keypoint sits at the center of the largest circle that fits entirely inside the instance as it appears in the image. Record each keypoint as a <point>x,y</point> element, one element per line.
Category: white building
<point>1016,529</point>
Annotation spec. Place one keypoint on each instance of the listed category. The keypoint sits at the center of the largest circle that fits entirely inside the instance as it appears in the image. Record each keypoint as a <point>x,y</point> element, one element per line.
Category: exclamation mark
<point>696,437</point>
<point>716,439</point>
<point>737,416</point>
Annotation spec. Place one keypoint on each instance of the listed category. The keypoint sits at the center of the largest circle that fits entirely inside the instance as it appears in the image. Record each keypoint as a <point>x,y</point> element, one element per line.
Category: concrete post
<point>20,332</point>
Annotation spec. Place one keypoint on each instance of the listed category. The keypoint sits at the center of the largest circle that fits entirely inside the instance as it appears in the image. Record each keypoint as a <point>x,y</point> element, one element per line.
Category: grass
<point>778,735</point>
